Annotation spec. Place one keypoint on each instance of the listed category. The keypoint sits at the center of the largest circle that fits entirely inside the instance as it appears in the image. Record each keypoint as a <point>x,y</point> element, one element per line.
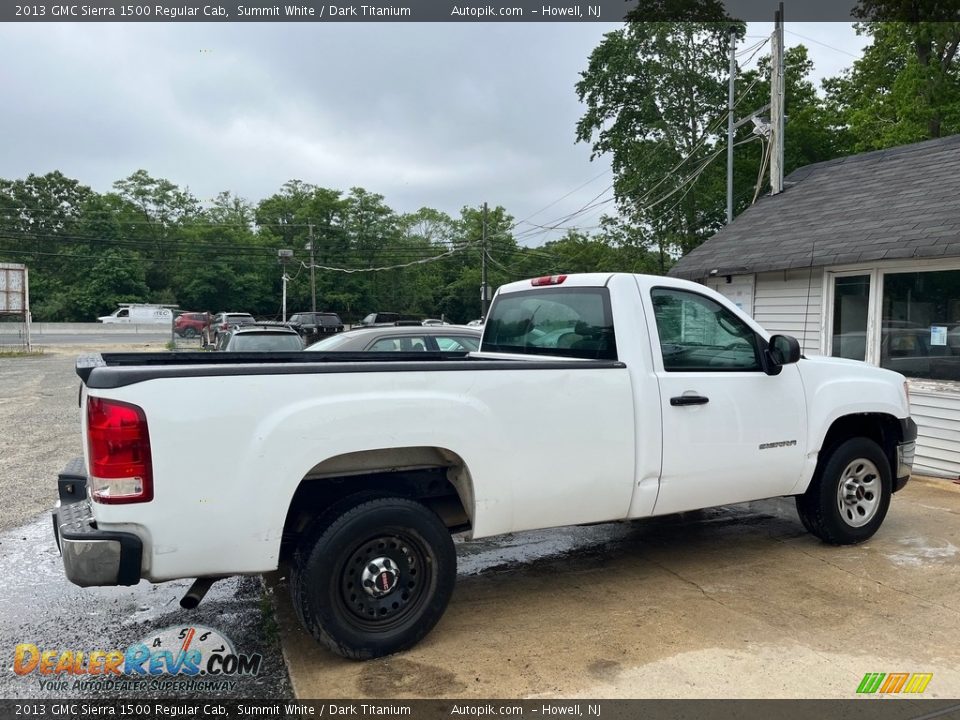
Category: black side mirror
<point>781,350</point>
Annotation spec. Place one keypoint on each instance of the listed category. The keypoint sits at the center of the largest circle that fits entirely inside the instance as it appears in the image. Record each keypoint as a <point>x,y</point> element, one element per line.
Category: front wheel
<point>849,496</point>
<point>374,578</point>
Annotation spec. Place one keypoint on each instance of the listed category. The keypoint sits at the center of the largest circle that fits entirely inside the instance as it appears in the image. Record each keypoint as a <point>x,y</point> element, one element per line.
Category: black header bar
<point>471,11</point>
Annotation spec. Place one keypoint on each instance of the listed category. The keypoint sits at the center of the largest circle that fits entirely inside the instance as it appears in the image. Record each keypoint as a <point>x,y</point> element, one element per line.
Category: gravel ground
<point>39,434</point>
<point>40,423</point>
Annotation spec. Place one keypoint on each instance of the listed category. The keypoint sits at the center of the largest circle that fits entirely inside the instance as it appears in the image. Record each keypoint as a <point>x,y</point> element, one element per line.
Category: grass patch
<point>270,626</point>
<point>9,353</point>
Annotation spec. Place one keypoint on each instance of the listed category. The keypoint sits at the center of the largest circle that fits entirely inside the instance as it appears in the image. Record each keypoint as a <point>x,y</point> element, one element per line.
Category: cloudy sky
<point>427,114</point>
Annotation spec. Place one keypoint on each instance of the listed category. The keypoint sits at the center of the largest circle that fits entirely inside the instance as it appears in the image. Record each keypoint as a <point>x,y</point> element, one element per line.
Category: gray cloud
<point>431,114</point>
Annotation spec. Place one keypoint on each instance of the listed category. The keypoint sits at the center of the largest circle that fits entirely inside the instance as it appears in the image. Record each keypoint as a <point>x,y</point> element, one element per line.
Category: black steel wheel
<point>373,578</point>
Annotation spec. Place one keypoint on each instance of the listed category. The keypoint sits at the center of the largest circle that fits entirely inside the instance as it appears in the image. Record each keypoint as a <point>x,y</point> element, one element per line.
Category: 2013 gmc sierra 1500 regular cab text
<point>594,398</point>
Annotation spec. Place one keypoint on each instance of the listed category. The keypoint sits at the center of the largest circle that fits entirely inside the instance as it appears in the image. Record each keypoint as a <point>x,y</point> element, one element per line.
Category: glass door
<point>851,304</point>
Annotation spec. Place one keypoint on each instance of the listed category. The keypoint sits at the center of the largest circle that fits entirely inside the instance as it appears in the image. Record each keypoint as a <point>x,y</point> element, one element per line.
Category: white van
<point>141,314</point>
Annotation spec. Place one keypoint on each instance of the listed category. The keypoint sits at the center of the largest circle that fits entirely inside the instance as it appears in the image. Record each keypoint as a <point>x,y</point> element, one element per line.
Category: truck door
<point>730,431</point>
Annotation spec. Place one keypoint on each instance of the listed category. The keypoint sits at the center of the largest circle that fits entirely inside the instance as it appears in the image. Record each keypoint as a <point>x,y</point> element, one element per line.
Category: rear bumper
<point>91,556</point>
<point>906,450</point>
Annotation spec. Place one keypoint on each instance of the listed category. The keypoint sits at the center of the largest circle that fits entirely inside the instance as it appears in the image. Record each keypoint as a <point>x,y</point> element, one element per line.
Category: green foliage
<point>150,241</point>
<point>905,88</point>
<point>655,94</point>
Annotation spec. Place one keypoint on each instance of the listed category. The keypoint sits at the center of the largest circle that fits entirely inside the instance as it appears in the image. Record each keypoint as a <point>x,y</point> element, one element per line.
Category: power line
<point>421,261</point>
<point>564,197</point>
<point>819,42</point>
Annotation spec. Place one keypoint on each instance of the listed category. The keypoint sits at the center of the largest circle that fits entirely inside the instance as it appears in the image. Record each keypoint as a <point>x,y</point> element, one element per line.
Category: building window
<point>851,300</point>
<point>920,324</point>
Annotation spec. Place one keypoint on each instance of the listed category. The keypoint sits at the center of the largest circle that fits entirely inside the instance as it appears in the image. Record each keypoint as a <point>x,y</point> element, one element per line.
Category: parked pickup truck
<point>594,398</point>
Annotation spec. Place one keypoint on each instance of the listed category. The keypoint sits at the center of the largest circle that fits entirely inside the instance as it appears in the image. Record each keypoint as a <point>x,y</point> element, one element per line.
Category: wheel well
<point>882,429</point>
<point>434,476</point>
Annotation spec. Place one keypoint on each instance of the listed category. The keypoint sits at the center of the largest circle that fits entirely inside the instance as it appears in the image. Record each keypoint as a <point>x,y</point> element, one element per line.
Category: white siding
<point>789,302</point>
<point>935,406</point>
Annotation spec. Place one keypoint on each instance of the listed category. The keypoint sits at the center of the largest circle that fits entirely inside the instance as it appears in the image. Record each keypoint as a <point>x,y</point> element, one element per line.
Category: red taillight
<point>118,444</point>
<point>548,280</point>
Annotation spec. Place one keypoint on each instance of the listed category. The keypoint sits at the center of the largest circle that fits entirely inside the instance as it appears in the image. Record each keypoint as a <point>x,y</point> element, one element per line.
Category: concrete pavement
<point>735,602</point>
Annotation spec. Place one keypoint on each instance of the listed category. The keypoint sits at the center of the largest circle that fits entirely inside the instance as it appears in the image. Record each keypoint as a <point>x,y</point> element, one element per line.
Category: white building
<point>859,257</point>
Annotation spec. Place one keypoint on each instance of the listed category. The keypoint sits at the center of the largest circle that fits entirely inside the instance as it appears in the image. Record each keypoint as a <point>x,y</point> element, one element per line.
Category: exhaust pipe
<point>196,592</point>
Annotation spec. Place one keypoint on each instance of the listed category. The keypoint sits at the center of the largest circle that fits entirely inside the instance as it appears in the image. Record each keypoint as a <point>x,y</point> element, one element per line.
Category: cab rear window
<point>564,322</point>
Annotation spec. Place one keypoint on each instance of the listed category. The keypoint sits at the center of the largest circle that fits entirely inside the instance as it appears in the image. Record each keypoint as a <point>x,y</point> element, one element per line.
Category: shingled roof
<point>903,202</point>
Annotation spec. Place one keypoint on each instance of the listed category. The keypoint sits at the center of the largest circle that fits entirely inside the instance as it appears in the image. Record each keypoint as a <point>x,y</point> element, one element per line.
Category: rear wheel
<point>189,332</point>
<point>848,497</point>
<point>373,578</point>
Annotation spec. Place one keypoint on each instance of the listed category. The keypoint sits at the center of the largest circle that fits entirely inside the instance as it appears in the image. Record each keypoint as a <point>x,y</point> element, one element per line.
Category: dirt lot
<point>734,602</point>
<point>40,423</point>
<point>39,434</point>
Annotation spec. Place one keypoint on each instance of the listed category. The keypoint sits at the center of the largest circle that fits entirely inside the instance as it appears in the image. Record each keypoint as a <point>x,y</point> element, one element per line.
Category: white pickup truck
<point>594,398</point>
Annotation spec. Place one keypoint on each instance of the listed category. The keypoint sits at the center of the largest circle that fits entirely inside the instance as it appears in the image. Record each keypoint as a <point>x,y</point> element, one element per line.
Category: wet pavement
<point>734,602</point>
<point>39,606</point>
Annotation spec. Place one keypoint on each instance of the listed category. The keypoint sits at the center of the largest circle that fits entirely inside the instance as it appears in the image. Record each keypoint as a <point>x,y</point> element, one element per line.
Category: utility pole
<point>776,105</point>
<point>283,257</point>
<point>313,277</point>
<point>483,267</point>
<point>733,79</point>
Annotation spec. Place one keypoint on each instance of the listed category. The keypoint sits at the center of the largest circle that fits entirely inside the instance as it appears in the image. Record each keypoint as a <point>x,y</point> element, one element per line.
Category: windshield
<point>569,322</point>
<point>265,342</point>
<point>331,343</point>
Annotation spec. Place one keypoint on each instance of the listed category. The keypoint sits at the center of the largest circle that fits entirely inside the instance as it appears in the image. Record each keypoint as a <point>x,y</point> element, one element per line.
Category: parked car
<point>191,324</point>
<point>314,325</point>
<point>143,313</point>
<point>475,323</point>
<point>223,322</point>
<point>434,321</point>
<point>380,318</point>
<point>260,338</point>
<point>402,338</point>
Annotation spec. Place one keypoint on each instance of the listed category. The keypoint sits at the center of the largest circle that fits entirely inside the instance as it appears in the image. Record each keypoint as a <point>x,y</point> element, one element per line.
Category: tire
<point>342,570</point>
<point>849,495</point>
<point>189,332</point>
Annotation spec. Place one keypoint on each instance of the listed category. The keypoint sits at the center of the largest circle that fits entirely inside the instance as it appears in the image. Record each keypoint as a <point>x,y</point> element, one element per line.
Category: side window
<point>697,333</point>
<point>385,345</point>
<point>458,344</point>
<point>123,313</point>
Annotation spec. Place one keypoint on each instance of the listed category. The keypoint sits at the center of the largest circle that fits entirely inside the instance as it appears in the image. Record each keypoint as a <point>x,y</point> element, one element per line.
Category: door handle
<point>689,400</point>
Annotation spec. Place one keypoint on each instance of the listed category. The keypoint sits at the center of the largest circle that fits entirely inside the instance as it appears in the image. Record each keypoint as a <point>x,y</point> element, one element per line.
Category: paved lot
<point>734,602</point>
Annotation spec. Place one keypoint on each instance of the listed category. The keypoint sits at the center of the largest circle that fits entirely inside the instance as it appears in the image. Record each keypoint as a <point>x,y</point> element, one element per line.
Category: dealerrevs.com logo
<point>182,658</point>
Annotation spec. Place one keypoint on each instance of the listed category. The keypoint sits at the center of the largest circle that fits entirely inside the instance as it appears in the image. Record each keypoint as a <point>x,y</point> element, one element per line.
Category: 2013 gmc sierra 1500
<point>594,398</point>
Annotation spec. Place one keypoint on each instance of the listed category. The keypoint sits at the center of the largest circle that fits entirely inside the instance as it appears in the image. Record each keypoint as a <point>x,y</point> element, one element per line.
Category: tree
<point>656,95</point>
<point>905,88</point>
<point>162,208</point>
